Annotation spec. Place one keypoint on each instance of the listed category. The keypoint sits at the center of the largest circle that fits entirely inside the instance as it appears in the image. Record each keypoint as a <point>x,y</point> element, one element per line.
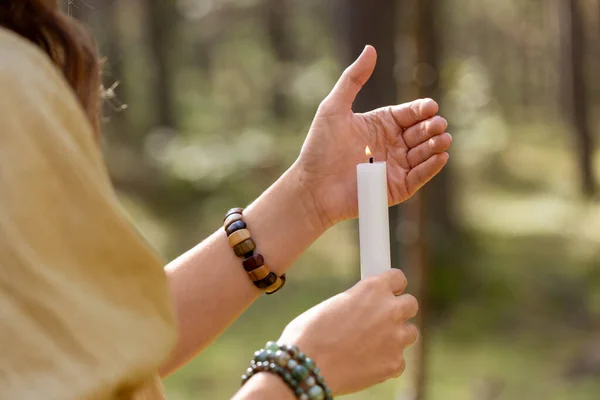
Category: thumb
<point>352,80</point>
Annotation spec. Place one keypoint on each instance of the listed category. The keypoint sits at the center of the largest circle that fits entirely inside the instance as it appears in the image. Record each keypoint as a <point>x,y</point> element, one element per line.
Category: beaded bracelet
<point>241,242</point>
<point>297,370</point>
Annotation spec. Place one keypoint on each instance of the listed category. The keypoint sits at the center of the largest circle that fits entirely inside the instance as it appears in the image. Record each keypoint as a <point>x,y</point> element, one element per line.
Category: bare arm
<point>209,285</point>
<point>265,386</point>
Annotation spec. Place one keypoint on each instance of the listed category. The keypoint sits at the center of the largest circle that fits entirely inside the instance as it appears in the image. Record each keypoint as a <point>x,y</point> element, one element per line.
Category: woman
<point>87,308</point>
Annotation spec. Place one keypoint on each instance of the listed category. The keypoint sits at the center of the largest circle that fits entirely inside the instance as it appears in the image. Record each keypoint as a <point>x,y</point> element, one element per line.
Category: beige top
<point>84,305</point>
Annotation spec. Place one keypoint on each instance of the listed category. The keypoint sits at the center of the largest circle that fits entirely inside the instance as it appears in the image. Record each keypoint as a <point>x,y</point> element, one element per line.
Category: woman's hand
<point>357,338</point>
<point>408,136</point>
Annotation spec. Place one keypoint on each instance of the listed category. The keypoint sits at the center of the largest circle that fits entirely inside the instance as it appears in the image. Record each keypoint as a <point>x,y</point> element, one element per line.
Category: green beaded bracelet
<point>297,370</point>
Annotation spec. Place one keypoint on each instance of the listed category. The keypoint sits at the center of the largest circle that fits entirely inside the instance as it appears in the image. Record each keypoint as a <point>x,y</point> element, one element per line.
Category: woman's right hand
<point>358,337</point>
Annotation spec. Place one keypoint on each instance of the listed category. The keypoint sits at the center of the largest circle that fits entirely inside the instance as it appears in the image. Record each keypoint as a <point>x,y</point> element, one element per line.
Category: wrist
<point>295,368</point>
<point>306,194</point>
<point>284,221</point>
<point>265,386</point>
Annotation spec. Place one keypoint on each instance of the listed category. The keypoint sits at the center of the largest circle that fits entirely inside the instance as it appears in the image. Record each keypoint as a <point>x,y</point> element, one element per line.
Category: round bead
<point>310,381</point>
<point>238,237</point>
<point>266,282</point>
<point>300,373</point>
<point>244,378</point>
<point>259,273</point>
<point>272,346</point>
<point>292,364</point>
<point>270,355</point>
<point>317,371</point>
<point>245,247</point>
<point>262,356</point>
<point>249,371</point>
<point>282,358</point>
<point>236,226</point>
<point>287,377</point>
<point>309,363</point>
<point>320,380</point>
<point>231,219</point>
<point>316,393</point>
<point>293,350</point>
<point>303,396</point>
<point>301,357</point>
<point>236,210</point>
<point>299,391</point>
<point>253,262</point>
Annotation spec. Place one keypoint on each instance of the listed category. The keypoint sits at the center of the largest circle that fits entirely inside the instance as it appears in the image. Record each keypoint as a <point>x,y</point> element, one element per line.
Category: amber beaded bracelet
<point>241,242</point>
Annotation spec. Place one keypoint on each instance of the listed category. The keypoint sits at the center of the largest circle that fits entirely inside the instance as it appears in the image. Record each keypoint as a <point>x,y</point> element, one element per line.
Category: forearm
<point>265,386</point>
<point>209,286</point>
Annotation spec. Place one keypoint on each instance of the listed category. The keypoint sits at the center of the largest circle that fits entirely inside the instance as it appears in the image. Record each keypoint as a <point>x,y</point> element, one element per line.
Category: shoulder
<point>37,104</point>
<point>31,84</point>
<point>25,65</point>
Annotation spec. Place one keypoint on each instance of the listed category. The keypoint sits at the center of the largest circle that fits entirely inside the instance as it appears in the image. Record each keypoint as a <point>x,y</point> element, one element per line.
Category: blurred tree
<point>431,204</point>
<point>361,24</point>
<point>574,86</point>
<point>163,23</point>
<point>277,23</point>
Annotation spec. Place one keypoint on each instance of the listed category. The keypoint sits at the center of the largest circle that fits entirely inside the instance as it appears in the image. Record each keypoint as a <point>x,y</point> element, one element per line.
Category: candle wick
<point>371,160</point>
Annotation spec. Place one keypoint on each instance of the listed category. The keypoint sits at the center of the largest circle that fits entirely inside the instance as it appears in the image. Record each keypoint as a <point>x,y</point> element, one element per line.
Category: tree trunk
<point>361,23</point>
<point>162,23</point>
<point>574,45</point>
<point>430,210</point>
<point>277,22</point>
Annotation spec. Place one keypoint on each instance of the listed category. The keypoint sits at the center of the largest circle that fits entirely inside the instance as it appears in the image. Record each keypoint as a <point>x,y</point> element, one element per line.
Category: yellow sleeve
<point>84,305</point>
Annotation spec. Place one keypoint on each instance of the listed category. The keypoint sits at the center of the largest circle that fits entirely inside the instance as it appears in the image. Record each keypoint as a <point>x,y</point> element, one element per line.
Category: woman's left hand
<point>410,137</point>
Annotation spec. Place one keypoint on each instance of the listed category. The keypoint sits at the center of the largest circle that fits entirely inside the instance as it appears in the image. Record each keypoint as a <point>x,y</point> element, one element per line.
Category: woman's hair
<point>66,42</point>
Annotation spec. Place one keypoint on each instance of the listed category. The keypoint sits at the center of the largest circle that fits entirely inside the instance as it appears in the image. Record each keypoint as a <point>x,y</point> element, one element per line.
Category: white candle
<point>373,218</point>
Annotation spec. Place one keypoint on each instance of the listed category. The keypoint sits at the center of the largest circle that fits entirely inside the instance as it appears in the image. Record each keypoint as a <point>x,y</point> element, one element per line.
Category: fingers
<point>398,366</point>
<point>425,130</point>
<point>422,173</point>
<point>352,80</point>
<point>436,145</point>
<point>408,114</point>
<point>407,307</point>
<point>408,335</point>
<point>395,279</point>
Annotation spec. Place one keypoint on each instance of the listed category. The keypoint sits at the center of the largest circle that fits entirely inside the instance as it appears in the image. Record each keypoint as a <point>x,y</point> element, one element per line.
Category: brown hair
<point>65,41</point>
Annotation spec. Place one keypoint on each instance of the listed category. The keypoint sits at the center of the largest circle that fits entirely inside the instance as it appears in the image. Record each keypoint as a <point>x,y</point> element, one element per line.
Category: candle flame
<point>368,151</point>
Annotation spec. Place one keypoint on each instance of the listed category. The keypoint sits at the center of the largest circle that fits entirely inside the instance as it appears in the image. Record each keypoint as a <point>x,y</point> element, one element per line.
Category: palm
<point>408,137</point>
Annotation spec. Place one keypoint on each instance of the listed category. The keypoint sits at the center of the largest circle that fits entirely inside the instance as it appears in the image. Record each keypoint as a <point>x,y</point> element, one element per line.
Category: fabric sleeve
<point>84,304</point>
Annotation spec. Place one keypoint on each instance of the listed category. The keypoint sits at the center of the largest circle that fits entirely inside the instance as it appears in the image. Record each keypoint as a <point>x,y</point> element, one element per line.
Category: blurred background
<point>208,102</point>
